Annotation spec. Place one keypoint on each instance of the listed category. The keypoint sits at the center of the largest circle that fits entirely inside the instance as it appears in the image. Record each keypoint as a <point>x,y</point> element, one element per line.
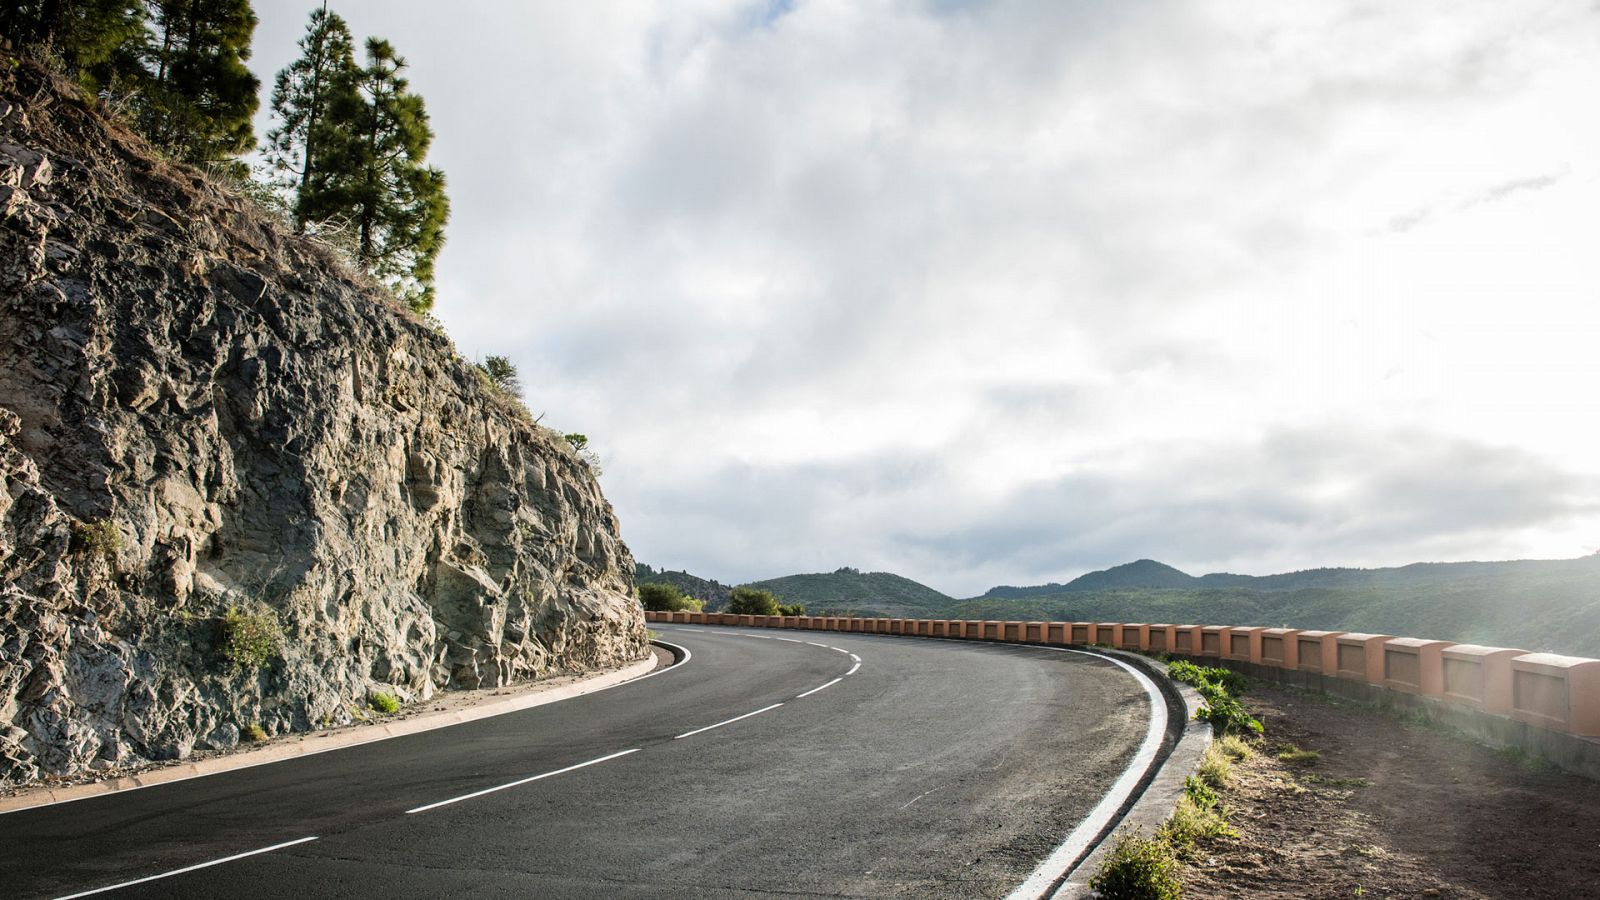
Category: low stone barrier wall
<point>1462,683</point>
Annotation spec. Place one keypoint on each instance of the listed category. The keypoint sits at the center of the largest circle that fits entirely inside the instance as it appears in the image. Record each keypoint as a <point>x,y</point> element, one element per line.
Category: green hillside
<point>1551,605</point>
<point>714,593</point>
<point>859,593</point>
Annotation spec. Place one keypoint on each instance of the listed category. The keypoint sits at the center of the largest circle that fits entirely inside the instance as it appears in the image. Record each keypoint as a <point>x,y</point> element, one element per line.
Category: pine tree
<point>397,202</point>
<point>197,96</point>
<point>317,101</point>
<point>85,34</point>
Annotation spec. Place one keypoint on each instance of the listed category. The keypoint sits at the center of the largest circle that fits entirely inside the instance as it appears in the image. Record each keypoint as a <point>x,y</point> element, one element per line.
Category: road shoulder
<point>442,711</point>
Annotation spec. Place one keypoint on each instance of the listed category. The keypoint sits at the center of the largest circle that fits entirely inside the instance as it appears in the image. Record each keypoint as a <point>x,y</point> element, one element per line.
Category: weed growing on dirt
<point>384,702</point>
<point>1138,868</point>
<point>1293,755</point>
<point>1234,747</point>
<point>1220,689</point>
<point>253,732</point>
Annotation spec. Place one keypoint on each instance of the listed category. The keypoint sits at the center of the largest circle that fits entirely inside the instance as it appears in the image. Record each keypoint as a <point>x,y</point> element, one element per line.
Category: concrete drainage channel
<point>1156,793</point>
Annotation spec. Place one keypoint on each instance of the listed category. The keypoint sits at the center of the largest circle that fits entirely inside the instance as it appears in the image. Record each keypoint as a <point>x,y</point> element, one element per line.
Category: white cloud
<point>847,283</point>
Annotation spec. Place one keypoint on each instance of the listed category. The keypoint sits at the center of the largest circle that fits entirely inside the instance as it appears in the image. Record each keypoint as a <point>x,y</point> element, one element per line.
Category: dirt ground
<point>1394,809</point>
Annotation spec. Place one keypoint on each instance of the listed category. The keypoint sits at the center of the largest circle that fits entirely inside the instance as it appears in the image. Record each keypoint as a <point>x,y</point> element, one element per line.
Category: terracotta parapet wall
<point>1557,692</point>
<point>1360,656</point>
<point>1414,666</point>
<point>1544,690</point>
<point>1318,651</point>
<point>1280,647</point>
<point>1243,644</point>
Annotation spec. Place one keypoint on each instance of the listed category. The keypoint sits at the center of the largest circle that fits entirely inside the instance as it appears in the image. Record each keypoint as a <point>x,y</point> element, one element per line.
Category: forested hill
<point>1551,605</point>
<point>848,590</point>
<point>713,592</point>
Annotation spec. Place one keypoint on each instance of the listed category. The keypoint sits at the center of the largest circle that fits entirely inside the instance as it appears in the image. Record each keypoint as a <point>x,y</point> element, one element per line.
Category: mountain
<point>240,487</point>
<point>1143,573</point>
<point>848,590</point>
<point>713,592</point>
<point>1546,605</point>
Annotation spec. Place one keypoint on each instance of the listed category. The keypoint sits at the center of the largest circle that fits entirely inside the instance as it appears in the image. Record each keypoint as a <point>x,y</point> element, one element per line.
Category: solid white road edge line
<point>855,657</point>
<point>368,740</point>
<point>729,721</point>
<point>204,865</point>
<point>853,669</point>
<point>518,782</point>
<point>815,689</point>
<point>1081,837</point>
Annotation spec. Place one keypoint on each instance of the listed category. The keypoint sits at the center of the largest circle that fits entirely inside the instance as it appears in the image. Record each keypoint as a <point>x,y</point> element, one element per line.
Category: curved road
<point>923,768</point>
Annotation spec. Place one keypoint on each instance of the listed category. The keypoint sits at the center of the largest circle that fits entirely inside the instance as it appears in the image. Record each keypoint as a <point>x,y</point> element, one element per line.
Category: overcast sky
<point>1003,292</point>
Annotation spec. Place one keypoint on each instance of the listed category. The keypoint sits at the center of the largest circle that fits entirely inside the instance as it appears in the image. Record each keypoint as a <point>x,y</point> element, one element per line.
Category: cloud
<point>981,292</point>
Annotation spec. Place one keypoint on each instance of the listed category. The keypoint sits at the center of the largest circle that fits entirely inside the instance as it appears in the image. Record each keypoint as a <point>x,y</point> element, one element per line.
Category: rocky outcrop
<point>201,413</point>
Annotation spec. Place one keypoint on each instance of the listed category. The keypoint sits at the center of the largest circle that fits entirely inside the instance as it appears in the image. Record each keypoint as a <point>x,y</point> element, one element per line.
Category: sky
<point>1002,292</point>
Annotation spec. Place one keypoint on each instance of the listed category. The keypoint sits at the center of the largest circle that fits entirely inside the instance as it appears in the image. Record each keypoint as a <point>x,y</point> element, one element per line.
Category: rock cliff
<point>200,412</point>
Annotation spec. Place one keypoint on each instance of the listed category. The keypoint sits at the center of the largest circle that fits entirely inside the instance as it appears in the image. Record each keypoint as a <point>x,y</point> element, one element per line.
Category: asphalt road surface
<point>819,764</point>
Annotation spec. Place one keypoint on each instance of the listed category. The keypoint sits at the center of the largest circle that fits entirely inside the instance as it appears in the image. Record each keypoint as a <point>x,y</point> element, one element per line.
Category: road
<point>834,765</point>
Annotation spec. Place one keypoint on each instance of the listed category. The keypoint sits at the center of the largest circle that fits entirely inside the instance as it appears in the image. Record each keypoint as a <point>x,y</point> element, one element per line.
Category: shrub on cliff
<point>752,602</point>
<point>248,639</point>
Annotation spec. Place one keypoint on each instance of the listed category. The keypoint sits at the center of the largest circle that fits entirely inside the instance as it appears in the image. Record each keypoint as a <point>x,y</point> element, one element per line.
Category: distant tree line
<point>348,153</point>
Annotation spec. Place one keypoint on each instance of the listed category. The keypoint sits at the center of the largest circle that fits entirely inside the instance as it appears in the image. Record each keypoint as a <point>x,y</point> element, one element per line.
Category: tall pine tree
<point>397,202</point>
<point>317,101</point>
<point>197,97</point>
<point>86,35</point>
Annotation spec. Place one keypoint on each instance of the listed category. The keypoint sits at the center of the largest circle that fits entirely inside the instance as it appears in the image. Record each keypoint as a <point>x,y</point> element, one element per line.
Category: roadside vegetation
<point>248,639</point>
<point>1148,868</point>
<point>667,598</point>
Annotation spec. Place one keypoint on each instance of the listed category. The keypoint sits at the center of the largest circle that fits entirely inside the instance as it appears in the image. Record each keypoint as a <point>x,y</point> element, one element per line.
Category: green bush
<point>248,639</point>
<point>384,702</point>
<point>1138,868</point>
<point>658,597</point>
<point>253,732</point>
<point>746,601</point>
<point>101,538</point>
<point>791,609</point>
<point>1219,689</point>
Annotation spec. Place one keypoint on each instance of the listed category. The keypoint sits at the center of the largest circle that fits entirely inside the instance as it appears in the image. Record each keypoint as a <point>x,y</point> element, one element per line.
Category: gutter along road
<point>789,762</point>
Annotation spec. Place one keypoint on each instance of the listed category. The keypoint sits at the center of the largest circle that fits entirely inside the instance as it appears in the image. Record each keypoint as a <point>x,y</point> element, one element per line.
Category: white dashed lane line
<point>728,721</point>
<point>820,687</point>
<point>196,867</point>
<point>519,782</point>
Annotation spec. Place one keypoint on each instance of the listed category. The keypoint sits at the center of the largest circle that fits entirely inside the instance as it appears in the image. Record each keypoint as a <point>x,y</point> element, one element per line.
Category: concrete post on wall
<point>1479,676</point>
<point>1134,636</point>
<point>1244,645</point>
<point>1107,633</point>
<point>1081,633</point>
<point>1558,692</point>
<point>1159,638</point>
<point>1213,639</point>
<point>1318,651</point>
<point>1360,656</point>
<point>1414,666</point>
<point>1035,632</point>
<point>1186,639</point>
<point>1280,647</point>
<point>1058,633</point>
<point>1013,631</point>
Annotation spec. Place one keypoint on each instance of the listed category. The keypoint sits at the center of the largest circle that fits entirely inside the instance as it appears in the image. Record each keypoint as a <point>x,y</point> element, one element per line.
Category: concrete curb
<point>1154,804</point>
<point>308,745</point>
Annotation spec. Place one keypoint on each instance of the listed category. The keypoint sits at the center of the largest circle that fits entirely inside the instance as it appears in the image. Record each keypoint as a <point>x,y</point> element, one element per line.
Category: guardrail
<point>1544,690</point>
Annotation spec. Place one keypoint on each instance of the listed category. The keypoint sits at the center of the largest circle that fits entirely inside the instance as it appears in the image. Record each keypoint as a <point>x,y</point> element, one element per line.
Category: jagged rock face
<point>198,412</point>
